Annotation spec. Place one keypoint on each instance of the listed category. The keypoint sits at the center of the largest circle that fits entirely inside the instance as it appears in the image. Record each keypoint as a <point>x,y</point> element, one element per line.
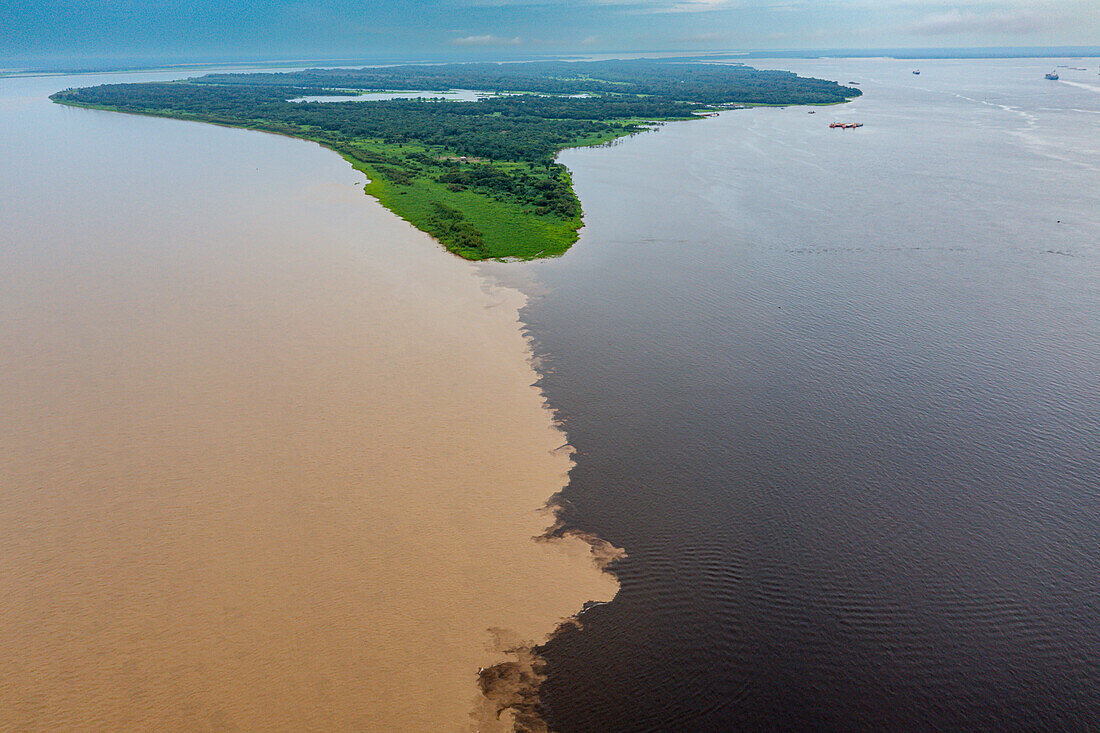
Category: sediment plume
<point>509,699</point>
<point>272,459</point>
<point>603,553</point>
<point>510,690</point>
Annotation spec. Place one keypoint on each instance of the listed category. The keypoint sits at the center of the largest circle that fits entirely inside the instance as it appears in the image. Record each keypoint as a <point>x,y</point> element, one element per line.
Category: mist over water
<point>837,395</point>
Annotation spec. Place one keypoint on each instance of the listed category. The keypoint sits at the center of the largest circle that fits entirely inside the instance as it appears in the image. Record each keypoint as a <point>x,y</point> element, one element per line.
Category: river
<point>837,395</point>
<point>270,459</point>
<point>835,392</point>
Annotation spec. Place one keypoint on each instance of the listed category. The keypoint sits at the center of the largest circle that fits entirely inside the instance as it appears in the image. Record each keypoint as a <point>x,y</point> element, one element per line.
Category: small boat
<point>916,72</point>
<point>813,112</point>
<point>1053,76</point>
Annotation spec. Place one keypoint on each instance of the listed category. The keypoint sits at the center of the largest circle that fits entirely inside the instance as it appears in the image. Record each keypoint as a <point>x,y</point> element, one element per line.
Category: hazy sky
<point>44,29</point>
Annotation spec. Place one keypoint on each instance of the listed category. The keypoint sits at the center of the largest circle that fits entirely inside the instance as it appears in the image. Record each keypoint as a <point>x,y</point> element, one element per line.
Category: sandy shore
<point>271,459</point>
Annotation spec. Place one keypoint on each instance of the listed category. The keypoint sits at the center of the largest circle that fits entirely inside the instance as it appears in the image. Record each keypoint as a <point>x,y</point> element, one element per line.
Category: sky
<point>67,32</point>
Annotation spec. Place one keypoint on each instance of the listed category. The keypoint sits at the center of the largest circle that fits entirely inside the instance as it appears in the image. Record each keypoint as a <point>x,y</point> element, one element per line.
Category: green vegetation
<point>478,176</point>
<point>474,222</point>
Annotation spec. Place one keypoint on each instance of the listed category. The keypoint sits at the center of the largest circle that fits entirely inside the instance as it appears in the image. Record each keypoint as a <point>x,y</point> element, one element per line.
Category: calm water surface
<point>837,394</point>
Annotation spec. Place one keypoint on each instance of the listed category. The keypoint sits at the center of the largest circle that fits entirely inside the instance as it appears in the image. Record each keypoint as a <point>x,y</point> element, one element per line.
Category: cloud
<point>957,21</point>
<point>486,40</point>
<point>704,38</point>
<point>706,6</point>
<point>691,6</point>
<point>638,6</point>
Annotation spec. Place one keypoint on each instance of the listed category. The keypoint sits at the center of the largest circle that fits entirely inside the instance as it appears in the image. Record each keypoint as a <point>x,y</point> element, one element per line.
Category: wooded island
<point>479,176</point>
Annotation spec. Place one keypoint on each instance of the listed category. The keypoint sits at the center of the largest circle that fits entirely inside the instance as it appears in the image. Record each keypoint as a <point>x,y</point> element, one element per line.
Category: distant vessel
<point>1053,76</point>
<point>813,112</point>
<point>916,71</point>
<point>845,125</point>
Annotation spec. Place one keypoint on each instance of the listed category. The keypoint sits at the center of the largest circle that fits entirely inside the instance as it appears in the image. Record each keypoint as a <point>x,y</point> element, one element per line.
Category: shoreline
<point>377,188</point>
<point>483,179</point>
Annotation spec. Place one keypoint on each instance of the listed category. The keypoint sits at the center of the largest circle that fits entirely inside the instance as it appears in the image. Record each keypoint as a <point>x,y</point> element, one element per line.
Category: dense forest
<point>479,176</point>
<point>669,80</point>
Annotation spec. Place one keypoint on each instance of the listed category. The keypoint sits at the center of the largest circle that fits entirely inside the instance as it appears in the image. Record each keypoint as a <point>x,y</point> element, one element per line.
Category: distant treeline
<point>438,161</point>
<point>715,84</point>
<point>519,128</point>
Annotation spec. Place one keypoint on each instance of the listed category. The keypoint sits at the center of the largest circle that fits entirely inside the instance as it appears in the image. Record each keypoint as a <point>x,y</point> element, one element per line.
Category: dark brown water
<point>836,393</point>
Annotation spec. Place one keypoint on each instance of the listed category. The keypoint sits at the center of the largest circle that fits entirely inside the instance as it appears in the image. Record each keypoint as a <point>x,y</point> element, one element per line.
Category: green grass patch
<point>471,225</point>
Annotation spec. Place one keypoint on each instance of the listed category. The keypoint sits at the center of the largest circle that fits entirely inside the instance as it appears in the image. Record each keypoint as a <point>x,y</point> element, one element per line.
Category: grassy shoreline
<point>531,236</point>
